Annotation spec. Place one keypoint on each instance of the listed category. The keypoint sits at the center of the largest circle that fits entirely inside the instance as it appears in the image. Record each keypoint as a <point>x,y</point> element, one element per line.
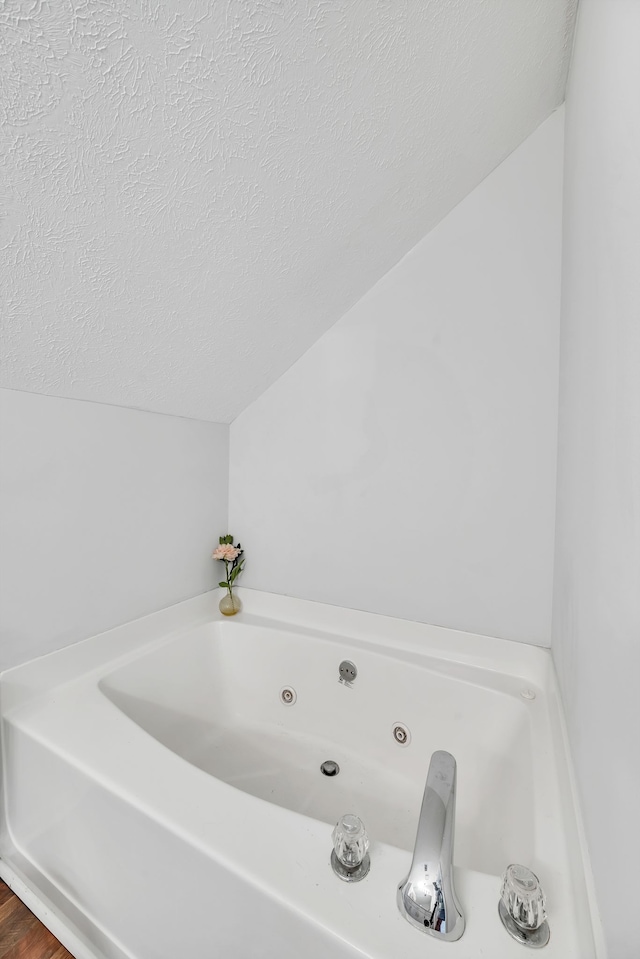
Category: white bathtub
<point>160,800</point>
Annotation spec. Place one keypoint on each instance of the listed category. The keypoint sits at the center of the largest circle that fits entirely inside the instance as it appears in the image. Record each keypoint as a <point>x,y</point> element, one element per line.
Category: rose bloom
<point>226,552</point>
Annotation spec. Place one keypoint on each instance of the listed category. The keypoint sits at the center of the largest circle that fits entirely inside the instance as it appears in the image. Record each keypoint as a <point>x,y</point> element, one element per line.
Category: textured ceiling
<point>194,191</point>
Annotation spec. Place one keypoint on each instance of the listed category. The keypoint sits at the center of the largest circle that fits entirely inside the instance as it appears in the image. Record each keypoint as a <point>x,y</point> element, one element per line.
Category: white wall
<point>406,463</point>
<point>105,514</point>
<point>596,631</point>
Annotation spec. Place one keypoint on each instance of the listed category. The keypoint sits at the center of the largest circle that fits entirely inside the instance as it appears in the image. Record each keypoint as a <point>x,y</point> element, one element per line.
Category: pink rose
<point>226,552</point>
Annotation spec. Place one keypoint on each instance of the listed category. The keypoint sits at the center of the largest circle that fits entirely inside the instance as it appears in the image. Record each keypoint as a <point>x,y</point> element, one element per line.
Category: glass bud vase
<point>230,604</point>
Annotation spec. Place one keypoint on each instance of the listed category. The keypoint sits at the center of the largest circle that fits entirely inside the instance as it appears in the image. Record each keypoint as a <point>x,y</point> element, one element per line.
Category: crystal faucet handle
<point>523,897</point>
<point>350,858</point>
<point>522,906</point>
<point>350,841</point>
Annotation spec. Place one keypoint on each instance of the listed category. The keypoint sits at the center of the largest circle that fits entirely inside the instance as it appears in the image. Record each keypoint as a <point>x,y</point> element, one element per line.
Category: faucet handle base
<point>350,874</point>
<point>534,938</point>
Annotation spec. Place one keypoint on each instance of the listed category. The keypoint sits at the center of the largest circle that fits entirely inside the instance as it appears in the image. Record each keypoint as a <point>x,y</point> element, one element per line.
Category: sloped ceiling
<point>195,191</point>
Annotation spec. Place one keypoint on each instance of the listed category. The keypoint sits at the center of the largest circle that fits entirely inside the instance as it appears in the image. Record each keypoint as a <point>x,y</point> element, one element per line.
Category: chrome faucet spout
<point>427,898</point>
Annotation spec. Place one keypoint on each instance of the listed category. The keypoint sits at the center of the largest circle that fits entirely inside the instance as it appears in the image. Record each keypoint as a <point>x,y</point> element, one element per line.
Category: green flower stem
<point>226,566</point>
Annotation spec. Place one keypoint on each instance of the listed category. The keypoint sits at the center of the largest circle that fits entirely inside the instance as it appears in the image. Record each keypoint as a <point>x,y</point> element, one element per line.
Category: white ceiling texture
<point>195,190</point>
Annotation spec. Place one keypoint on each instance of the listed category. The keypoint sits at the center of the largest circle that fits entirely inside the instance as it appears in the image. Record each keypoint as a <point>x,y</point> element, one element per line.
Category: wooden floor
<point>21,935</point>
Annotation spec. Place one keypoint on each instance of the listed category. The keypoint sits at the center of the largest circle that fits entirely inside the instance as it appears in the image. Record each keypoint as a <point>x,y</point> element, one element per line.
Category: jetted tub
<point>162,801</point>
